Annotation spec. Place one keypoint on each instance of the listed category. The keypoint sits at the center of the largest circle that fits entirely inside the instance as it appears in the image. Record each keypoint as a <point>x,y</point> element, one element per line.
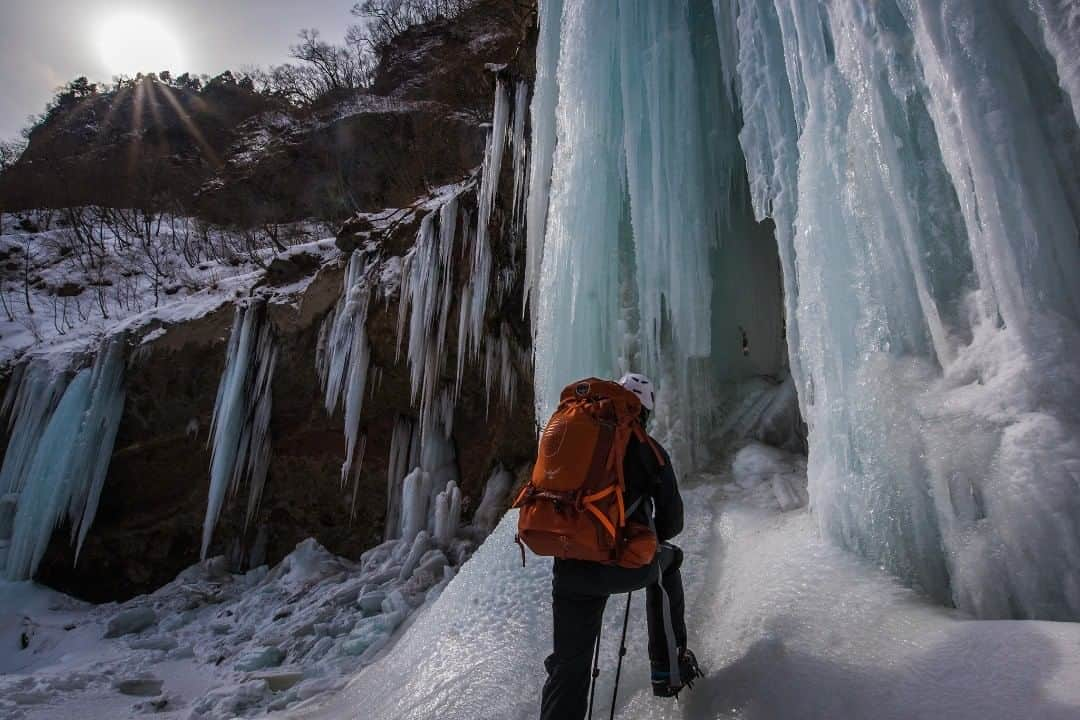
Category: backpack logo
<point>582,389</point>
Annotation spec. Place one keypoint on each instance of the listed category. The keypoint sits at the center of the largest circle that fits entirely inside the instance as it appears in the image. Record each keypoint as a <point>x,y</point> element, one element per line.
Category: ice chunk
<point>419,546</point>
<point>447,513</point>
<point>130,621</point>
<point>259,659</point>
<point>140,687</point>
<point>154,642</point>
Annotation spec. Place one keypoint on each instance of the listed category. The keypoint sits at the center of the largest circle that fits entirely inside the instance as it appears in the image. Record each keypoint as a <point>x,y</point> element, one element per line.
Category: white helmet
<point>641,386</point>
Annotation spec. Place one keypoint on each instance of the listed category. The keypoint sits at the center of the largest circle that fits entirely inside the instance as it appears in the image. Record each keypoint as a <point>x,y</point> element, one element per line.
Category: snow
<point>131,279</point>
<point>784,623</point>
<point>213,644</point>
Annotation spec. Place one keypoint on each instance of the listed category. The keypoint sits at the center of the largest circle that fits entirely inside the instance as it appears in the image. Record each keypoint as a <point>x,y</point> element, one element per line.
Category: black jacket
<point>645,476</point>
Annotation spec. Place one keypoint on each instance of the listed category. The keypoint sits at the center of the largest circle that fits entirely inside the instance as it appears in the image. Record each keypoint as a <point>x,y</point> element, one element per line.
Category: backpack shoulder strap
<point>646,438</point>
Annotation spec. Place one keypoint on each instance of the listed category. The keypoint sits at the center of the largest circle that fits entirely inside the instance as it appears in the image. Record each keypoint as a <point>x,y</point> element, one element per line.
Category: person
<point>580,589</point>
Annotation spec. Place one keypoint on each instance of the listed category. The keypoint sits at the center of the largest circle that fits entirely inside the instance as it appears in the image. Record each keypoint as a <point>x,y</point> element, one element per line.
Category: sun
<point>133,42</point>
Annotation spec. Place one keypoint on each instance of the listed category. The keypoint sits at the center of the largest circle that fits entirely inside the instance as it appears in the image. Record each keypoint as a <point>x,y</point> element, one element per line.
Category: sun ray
<point>192,128</point>
<point>136,127</point>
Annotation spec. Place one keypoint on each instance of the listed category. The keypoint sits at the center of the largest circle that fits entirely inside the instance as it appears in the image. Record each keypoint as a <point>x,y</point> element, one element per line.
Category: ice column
<point>65,471</point>
<point>650,257</point>
<point>919,160</point>
<point>577,329</point>
<point>494,500</point>
<point>545,94</point>
<point>240,431</point>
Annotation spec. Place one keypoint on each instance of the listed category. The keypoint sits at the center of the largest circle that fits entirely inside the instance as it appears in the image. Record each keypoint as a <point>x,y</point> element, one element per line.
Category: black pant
<point>580,592</point>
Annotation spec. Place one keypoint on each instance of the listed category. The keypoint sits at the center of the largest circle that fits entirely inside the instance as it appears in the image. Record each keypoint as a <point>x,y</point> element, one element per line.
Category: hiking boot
<point>689,670</point>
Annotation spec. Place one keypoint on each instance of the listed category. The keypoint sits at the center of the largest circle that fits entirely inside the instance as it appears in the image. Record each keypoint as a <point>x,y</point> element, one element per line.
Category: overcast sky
<point>45,43</point>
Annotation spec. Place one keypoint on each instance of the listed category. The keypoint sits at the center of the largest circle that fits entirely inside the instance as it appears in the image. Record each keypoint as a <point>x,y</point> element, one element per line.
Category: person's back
<point>580,588</point>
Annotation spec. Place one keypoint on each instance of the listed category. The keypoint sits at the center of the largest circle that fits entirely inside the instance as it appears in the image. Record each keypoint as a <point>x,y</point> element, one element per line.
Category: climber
<point>580,587</point>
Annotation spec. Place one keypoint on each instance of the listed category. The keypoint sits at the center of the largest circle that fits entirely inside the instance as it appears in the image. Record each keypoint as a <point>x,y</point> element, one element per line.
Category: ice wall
<point>919,161</point>
<point>61,443</point>
<point>649,257</point>
<point>240,432</point>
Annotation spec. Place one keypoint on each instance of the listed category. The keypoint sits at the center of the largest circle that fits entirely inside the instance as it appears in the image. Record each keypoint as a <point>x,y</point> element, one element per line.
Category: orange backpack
<point>573,505</point>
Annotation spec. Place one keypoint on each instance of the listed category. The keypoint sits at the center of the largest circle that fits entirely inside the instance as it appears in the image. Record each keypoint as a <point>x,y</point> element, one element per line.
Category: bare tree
<point>386,19</point>
<point>336,67</point>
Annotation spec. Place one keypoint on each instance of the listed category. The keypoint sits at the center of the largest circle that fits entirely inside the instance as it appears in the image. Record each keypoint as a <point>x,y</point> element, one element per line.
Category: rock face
<point>239,158</point>
<point>130,147</point>
<point>149,523</point>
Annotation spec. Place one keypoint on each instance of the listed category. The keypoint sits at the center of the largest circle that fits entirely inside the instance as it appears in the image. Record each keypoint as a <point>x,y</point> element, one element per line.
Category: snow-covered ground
<point>212,644</point>
<point>69,278</point>
<point>785,624</point>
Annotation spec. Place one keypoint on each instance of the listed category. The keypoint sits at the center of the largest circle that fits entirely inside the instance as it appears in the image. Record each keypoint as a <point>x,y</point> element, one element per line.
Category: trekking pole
<point>622,652</point>
<point>595,672</point>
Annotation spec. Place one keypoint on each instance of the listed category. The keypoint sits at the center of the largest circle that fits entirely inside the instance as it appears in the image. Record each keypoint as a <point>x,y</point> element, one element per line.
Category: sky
<point>45,43</point>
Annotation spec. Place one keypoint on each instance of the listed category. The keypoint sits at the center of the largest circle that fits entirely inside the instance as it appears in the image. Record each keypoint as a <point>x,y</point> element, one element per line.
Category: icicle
<point>480,274</point>
<point>520,152</point>
<point>426,293</point>
<point>33,392</point>
<point>358,463</point>
<point>493,157</point>
<point>345,357</point>
<point>239,433</point>
<point>70,458</point>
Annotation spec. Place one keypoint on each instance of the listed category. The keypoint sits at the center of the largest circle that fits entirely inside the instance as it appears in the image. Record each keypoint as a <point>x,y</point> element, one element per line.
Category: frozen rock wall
<point>918,162</point>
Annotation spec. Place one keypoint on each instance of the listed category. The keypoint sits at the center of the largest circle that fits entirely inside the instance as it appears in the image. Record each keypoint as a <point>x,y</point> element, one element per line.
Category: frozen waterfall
<point>918,164</point>
<point>62,437</point>
<point>240,433</point>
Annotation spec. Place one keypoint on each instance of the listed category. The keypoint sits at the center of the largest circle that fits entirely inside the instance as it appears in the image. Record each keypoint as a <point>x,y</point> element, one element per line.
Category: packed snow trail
<point>785,625</point>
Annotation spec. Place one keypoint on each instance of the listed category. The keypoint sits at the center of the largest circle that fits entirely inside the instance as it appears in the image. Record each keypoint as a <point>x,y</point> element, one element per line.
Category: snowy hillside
<point>72,277</point>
